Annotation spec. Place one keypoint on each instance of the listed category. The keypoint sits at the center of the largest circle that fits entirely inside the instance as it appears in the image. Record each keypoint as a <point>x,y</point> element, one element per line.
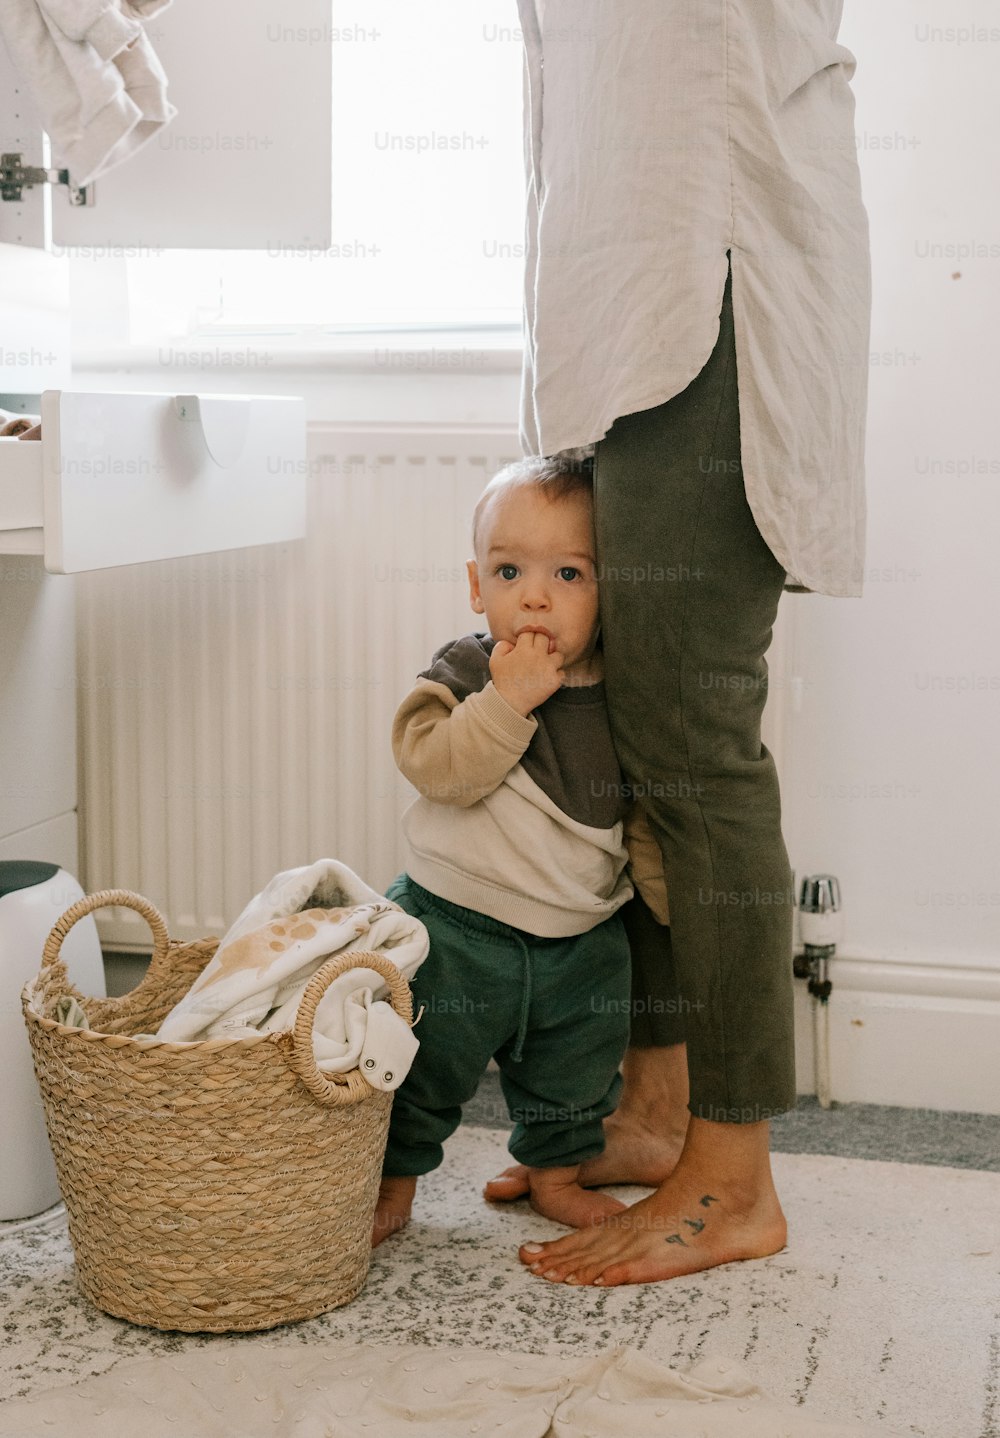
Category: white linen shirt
<point>660,135</point>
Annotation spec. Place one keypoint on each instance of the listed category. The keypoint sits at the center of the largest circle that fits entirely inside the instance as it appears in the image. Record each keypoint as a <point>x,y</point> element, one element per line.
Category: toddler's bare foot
<point>392,1212</point>
<point>633,1153</point>
<point>643,1139</point>
<point>556,1193</point>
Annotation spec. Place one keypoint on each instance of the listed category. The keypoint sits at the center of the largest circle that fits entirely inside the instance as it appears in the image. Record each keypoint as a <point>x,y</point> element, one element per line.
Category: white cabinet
<point>245,163</point>
<point>120,479</point>
<point>128,478</point>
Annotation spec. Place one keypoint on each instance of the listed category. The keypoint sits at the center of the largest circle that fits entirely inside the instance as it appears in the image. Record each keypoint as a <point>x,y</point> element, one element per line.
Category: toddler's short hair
<point>571,472</point>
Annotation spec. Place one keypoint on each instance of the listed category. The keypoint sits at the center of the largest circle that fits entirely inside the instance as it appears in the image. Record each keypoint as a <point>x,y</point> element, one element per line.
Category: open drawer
<point>126,478</point>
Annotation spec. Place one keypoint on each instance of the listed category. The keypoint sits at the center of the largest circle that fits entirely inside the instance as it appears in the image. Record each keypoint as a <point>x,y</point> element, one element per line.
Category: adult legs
<point>690,592</point>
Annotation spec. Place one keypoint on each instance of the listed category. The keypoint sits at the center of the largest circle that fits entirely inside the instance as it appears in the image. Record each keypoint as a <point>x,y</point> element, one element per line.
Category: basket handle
<point>52,965</point>
<point>341,1090</point>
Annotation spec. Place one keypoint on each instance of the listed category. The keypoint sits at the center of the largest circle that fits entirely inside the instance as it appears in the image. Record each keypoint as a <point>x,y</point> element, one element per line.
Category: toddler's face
<point>536,569</point>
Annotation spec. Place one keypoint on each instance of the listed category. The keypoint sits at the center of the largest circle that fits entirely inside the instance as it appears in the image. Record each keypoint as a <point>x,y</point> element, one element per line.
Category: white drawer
<point>127,478</point>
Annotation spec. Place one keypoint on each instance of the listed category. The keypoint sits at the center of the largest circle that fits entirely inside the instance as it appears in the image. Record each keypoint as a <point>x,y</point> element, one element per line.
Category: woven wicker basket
<point>210,1187</point>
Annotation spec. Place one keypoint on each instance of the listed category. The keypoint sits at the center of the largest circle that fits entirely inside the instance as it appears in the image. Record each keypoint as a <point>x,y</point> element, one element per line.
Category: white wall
<point>891,776</point>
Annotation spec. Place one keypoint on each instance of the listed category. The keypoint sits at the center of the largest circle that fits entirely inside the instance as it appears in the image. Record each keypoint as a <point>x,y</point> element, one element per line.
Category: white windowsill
<point>428,351</point>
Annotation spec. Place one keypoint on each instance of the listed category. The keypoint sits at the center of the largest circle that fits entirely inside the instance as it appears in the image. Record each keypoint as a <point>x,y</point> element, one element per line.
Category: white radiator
<point>235,709</point>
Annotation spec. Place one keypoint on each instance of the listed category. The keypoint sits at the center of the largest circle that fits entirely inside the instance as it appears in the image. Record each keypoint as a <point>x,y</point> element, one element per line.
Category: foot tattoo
<point>696,1223</point>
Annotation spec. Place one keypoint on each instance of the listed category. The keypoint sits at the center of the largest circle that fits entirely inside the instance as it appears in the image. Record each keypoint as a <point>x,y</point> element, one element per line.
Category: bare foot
<point>718,1206</point>
<point>643,1137</point>
<point>556,1193</point>
<point>633,1153</point>
<point>392,1212</point>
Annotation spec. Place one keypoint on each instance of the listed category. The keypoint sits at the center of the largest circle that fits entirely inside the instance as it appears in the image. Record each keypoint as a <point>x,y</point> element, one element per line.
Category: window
<point>428,185</point>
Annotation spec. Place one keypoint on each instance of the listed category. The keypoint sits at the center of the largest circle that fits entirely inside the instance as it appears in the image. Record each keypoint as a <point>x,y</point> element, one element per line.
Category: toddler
<point>517,856</point>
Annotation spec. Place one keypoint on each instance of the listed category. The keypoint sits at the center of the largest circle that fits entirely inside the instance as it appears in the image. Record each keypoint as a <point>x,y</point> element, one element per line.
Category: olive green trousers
<point>689,595</point>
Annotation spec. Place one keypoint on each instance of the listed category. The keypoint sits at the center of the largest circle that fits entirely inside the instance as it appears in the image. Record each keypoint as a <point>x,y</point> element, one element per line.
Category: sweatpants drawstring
<point>522,1023</point>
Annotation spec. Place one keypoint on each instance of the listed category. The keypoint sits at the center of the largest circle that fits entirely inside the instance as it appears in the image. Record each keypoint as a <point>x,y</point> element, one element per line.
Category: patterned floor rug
<point>884,1309</point>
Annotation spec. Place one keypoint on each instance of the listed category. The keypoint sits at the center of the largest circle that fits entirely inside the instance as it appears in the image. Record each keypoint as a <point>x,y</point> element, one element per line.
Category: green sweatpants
<point>554,1013</point>
<point>689,592</point>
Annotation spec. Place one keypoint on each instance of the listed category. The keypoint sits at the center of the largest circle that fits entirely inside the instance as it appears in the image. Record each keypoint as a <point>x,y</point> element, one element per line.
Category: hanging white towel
<point>260,970</point>
<point>93,76</point>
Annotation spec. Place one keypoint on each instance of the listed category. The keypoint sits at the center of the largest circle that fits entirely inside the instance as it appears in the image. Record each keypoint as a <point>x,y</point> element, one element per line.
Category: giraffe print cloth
<point>257,976</point>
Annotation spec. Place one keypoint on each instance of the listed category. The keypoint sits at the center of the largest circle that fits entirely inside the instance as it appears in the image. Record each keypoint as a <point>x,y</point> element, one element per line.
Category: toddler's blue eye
<point>507,571</point>
<point>568,572</point>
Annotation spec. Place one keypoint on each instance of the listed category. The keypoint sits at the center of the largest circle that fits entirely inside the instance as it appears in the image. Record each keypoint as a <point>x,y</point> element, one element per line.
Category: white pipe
<point>821,1050</point>
<point>820,927</point>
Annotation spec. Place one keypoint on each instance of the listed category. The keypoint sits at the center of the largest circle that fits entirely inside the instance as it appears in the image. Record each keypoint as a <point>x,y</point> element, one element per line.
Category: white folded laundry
<point>256,978</point>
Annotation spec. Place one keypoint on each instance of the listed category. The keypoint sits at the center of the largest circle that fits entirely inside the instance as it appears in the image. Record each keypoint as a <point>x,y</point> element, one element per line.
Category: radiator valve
<point>820,924</point>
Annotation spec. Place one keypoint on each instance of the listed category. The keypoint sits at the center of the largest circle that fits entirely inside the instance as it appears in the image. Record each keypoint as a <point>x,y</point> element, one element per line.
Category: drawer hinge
<point>15,176</point>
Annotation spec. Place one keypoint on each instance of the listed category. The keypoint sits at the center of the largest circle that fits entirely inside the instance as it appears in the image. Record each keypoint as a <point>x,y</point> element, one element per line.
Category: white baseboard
<point>909,1035</point>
